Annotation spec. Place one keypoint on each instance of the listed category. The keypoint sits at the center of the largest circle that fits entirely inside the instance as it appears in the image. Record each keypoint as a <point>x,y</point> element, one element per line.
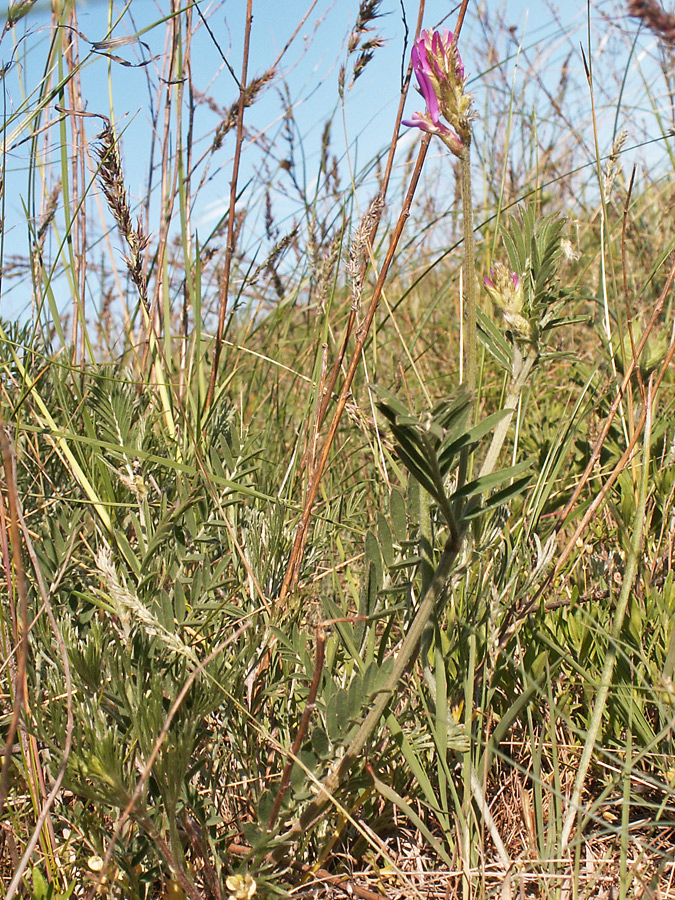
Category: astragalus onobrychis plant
<point>336,511</point>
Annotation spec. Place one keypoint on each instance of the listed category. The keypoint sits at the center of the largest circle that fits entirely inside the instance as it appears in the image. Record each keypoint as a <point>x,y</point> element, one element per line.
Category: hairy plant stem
<point>411,642</point>
<point>469,304</point>
<point>470,348</point>
<point>370,723</point>
<point>634,554</point>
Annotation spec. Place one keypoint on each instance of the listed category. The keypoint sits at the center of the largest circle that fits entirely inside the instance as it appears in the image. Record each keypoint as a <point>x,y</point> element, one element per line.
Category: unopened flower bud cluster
<point>440,75</point>
<point>506,289</point>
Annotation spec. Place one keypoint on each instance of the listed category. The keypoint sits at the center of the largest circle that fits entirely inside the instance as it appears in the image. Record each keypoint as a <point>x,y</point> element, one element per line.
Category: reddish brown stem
<point>373,233</point>
<point>630,369</point>
<point>20,627</point>
<point>293,569</point>
<point>229,249</point>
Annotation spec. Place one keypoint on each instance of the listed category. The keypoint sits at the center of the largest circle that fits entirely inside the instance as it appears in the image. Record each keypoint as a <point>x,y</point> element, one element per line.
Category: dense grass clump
<point>337,504</point>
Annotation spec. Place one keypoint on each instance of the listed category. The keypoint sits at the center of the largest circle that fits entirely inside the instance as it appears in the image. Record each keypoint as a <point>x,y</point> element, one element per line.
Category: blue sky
<point>362,129</point>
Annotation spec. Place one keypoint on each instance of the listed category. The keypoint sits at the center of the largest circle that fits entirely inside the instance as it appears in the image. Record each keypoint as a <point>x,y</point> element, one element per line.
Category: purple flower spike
<point>440,76</point>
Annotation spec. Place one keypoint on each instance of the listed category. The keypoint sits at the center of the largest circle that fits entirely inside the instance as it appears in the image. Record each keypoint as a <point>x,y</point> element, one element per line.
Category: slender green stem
<point>469,305</point>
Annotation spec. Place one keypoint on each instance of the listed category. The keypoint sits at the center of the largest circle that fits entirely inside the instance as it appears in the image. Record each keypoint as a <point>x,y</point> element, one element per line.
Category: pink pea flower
<point>440,76</point>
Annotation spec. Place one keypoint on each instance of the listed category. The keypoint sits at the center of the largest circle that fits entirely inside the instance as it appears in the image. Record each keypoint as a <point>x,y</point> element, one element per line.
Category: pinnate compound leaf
<point>487,482</point>
<point>500,497</point>
<point>399,519</point>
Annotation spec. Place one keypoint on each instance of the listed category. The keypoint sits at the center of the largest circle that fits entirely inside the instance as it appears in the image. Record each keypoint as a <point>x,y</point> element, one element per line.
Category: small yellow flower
<point>241,887</point>
<point>173,891</point>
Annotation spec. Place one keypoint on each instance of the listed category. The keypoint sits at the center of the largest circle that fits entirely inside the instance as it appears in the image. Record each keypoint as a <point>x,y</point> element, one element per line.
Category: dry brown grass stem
<point>297,551</point>
<point>172,89</point>
<point>295,560</point>
<point>386,177</point>
<point>229,249</point>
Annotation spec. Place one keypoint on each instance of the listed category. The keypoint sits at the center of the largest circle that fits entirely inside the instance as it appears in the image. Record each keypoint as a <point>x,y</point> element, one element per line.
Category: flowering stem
<point>470,348</point>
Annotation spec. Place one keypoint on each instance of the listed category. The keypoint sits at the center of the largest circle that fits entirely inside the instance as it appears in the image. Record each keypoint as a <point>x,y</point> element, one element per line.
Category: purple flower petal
<point>422,122</point>
<point>440,74</point>
<point>429,94</point>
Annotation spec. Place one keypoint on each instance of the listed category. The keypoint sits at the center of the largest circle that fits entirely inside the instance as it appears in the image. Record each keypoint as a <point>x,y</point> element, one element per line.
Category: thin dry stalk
<point>349,327</point>
<point>624,274</point>
<point>77,190</point>
<point>295,560</point>
<point>187,187</point>
<point>169,182</point>
<point>21,626</point>
<point>229,249</point>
